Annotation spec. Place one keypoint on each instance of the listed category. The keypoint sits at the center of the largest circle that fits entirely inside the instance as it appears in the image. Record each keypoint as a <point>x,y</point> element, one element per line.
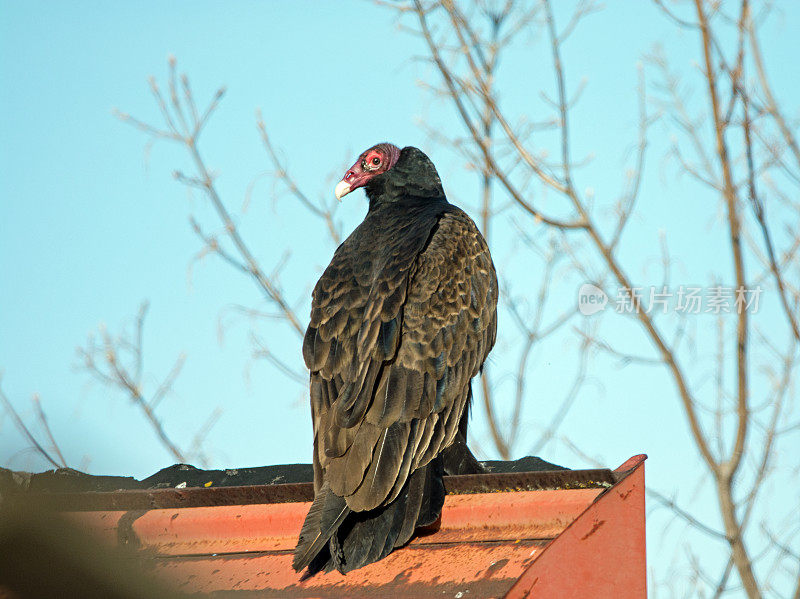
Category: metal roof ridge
<point>165,498</point>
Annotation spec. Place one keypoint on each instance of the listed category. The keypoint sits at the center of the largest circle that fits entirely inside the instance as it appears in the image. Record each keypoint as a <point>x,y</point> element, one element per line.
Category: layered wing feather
<point>392,347</point>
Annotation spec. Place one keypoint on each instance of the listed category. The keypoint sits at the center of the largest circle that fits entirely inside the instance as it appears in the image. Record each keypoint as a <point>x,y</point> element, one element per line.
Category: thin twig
<point>677,510</point>
<point>184,125</point>
<point>107,363</point>
<point>37,403</point>
<point>26,432</point>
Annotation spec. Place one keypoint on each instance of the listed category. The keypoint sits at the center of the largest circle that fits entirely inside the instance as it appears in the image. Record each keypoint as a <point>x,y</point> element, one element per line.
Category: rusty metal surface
<point>486,517</point>
<point>301,492</point>
<point>631,464</point>
<point>477,570</point>
<point>602,553</point>
<point>569,534</point>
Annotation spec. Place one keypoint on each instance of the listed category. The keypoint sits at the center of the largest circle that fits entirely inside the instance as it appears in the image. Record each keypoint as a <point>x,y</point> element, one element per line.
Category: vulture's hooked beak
<point>342,189</point>
<point>374,161</point>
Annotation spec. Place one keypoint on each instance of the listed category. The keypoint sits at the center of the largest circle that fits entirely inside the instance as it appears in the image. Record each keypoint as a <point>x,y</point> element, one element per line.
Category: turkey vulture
<point>401,320</point>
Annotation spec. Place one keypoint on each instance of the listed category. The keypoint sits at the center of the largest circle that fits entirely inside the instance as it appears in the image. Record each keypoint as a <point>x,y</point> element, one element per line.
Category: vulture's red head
<point>373,162</point>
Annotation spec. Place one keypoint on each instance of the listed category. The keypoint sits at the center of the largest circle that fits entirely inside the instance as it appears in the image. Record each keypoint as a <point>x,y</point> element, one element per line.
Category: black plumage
<point>401,321</point>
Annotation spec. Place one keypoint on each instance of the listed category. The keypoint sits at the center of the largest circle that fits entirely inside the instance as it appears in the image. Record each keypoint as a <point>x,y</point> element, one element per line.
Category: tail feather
<point>323,520</point>
<point>370,536</point>
<point>433,493</point>
<point>458,459</point>
<point>335,538</point>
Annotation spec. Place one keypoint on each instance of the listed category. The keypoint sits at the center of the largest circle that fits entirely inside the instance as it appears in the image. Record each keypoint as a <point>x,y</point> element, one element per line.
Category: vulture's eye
<point>376,161</point>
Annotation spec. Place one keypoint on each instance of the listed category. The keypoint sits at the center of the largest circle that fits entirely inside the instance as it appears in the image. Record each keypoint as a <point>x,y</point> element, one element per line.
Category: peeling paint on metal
<point>514,535</point>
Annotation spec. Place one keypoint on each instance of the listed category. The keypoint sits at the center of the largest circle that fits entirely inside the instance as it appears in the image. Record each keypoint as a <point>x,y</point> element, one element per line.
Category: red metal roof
<point>539,534</point>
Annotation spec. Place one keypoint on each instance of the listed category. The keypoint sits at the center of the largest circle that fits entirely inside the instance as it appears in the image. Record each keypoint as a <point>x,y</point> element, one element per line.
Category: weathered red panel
<point>274,527</point>
<point>204,530</point>
<point>475,570</point>
<point>511,516</point>
<point>601,554</point>
<point>572,542</point>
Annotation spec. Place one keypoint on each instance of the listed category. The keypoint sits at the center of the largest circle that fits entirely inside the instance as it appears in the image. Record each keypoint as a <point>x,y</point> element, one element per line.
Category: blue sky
<point>91,225</point>
<point>91,229</point>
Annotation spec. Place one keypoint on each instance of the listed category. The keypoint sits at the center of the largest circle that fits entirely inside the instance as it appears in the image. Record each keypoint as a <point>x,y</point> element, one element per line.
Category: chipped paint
<point>501,535</point>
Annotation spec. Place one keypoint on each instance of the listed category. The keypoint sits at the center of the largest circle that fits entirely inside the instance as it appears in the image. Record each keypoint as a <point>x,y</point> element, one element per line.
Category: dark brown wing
<point>354,329</point>
<point>392,361</point>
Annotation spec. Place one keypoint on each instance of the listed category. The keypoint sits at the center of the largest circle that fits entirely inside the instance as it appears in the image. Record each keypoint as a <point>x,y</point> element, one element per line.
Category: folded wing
<point>392,348</point>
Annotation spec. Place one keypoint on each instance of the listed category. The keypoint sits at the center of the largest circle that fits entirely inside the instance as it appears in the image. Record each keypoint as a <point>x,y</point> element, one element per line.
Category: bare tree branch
<point>184,127</point>
<point>322,210</point>
<point>26,432</point>
<point>463,53</point>
<point>118,363</point>
<point>40,415</point>
<point>691,520</point>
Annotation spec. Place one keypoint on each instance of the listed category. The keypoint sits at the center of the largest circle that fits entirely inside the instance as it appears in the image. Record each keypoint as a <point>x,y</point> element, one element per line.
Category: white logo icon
<point>591,299</point>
